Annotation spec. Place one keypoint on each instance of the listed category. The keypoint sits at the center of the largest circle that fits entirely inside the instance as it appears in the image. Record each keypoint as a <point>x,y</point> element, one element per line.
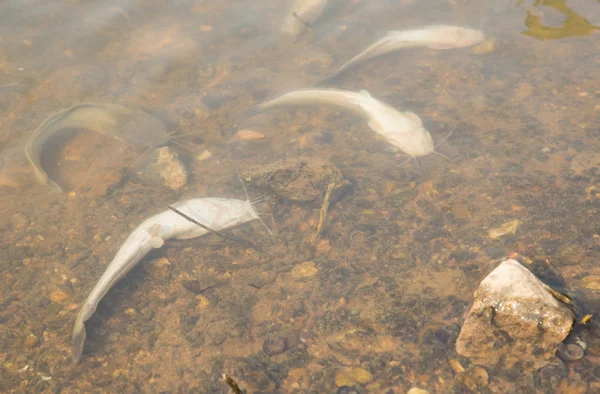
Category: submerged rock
<point>299,180</point>
<point>514,319</point>
<point>163,168</point>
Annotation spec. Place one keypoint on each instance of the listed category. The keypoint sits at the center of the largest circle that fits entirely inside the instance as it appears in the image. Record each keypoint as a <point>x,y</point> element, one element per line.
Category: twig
<point>323,213</point>
<point>220,234</point>
<point>232,384</point>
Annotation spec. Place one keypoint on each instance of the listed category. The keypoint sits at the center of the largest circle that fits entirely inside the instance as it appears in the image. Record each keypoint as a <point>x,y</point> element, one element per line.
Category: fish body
<point>216,213</point>
<point>404,130</point>
<point>435,37</point>
<point>111,120</point>
<point>302,14</point>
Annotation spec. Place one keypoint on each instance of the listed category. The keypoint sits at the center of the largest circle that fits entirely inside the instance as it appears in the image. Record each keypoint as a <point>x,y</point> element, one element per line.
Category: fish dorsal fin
<point>414,117</point>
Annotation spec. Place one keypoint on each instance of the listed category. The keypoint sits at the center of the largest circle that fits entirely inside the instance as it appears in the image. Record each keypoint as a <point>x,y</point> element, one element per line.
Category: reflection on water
<point>375,303</point>
<point>573,25</point>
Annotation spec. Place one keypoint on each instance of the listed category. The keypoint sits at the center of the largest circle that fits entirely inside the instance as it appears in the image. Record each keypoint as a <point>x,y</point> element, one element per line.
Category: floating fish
<point>404,130</point>
<point>216,213</point>
<point>434,37</point>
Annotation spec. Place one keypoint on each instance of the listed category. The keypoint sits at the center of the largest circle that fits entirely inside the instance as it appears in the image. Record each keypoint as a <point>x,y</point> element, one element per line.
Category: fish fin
<point>365,93</point>
<point>78,339</point>
<point>54,186</point>
<point>156,242</point>
<point>248,113</point>
<point>414,117</point>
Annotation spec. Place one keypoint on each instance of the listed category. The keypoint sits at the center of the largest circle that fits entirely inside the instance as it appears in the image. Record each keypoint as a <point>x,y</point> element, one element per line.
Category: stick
<point>220,234</point>
<point>323,213</point>
<point>232,384</point>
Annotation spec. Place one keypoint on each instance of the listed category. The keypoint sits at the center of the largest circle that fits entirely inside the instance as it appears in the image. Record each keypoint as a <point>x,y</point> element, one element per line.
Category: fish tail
<point>78,338</point>
<point>248,113</point>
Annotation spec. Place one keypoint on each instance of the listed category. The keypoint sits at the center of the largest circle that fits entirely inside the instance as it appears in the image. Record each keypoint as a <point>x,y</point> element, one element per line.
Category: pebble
<point>59,296</point>
<point>487,46</point>
<point>474,378</point>
<point>159,268</point>
<point>274,345</point>
<point>203,302</point>
<point>161,168</point>
<point>591,282</point>
<point>506,228</point>
<point>305,270</point>
<point>205,154</point>
<point>246,134</point>
<point>30,341</point>
<point>416,390</point>
<point>351,376</point>
<point>570,352</point>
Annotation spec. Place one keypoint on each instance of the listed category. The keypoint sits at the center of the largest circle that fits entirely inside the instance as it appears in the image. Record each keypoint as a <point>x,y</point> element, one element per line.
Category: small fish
<point>301,15</point>
<point>113,120</point>
<point>434,37</point>
<point>216,213</point>
<point>404,130</point>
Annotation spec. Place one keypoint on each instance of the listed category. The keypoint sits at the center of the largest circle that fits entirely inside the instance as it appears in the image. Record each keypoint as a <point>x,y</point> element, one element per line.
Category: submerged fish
<point>434,37</point>
<point>401,129</point>
<point>216,213</point>
<point>302,14</point>
<point>113,120</point>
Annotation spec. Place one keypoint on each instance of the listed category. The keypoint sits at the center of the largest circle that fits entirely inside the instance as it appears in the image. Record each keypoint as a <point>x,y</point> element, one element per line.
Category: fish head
<point>407,132</point>
<point>221,213</point>
<point>450,37</point>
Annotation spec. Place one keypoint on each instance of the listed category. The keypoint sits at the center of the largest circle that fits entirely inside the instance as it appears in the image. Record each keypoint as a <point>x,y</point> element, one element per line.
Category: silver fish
<point>113,120</point>
<point>216,213</point>
<point>434,37</point>
<point>401,129</point>
<point>302,14</point>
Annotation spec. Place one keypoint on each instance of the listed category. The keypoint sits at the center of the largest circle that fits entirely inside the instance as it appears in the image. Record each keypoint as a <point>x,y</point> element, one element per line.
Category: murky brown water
<point>375,304</point>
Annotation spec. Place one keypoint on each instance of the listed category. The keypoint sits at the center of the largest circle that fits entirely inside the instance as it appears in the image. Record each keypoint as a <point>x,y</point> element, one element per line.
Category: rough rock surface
<point>162,167</point>
<point>300,180</point>
<point>514,321</point>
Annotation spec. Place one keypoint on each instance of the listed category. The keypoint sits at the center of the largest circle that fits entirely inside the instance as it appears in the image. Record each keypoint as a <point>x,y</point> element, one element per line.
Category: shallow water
<point>376,303</point>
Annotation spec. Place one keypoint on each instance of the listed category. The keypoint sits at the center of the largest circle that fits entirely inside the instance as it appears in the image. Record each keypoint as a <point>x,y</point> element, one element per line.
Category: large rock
<point>514,321</point>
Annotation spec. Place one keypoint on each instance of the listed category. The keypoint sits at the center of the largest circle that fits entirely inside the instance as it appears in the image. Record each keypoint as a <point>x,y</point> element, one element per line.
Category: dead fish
<point>216,213</point>
<point>404,130</point>
<point>434,37</point>
<point>132,126</point>
<point>301,15</point>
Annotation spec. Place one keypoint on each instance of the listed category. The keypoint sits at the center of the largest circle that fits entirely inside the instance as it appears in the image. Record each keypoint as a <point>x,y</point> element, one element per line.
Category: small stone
<point>246,134</point>
<point>456,366</point>
<point>570,352</point>
<point>351,376</point>
<point>114,337</point>
<point>130,312</point>
<point>591,282</point>
<point>26,261</point>
<point>206,28</point>
<point>485,47</point>
<point>203,302</point>
<point>161,168</point>
<point>205,154</point>
<point>274,345</point>
<point>59,296</point>
<point>30,341</point>
<point>159,268</point>
<point>416,390</point>
<point>507,228</point>
<point>19,220</point>
<point>475,378</point>
<point>305,270</point>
